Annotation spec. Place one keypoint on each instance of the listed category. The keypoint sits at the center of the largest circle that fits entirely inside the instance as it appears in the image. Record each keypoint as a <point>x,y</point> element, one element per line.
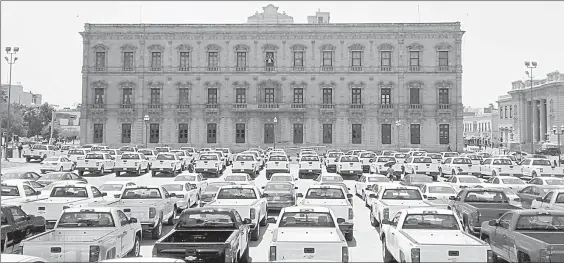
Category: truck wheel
<point>245,256</point>
<point>349,236</point>
<point>255,233</point>
<point>171,219</point>
<point>117,174</point>
<point>101,172</point>
<point>27,160</point>
<point>157,231</point>
<point>80,173</point>
<point>386,253</point>
<point>136,248</point>
<point>153,173</point>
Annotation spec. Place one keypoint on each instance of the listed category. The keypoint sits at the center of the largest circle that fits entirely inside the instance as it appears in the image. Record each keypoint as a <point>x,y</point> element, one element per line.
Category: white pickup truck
<point>87,235</point>
<point>349,165</point>
<point>245,163</point>
<point>430,235</point>
<point>307,234</point>
<point>184,157</point>
<point>553,200</point>
<point>209,163</point>
<point>330,161</point>
<point>379,165</point>
<point>17,191</point>
<point>96,162</point>
<point>499,167</point>
<point>459,166</point>
<point>335,198</point>
<point>366,158</point>
<point>531,168</point>
<point>227,154</point>
<point>277,164</point>
<point>77,154</point>
<point>63,197</point>
<point>149,154</point>
<point>166,162</point>
<point>392,198</point>
<point>247,200</point>
<point>151,205</point>
<point>422,165</point>
<point>132,162</point>
<point>39,152</point>
<point>309,165</point>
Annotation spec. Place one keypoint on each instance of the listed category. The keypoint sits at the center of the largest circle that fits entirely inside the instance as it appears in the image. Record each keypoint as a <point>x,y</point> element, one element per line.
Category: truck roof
<point>332,186</point>
<point>429,210</point>
<point>209,209</point>
<point>98,209</point>
<point>396,186</point>
<point>296,209</point>
<point>538,212</point>
<point>146,186</point>
<point>237,186</point>
<point>13,182</point>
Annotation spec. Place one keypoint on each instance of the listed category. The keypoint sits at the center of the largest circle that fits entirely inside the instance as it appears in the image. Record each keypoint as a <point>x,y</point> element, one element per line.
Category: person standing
<point>20,149</point>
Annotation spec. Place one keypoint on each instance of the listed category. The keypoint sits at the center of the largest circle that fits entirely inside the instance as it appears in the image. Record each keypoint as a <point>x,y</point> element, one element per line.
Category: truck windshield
<point>560,199</point>
<point>52,176</point>
<point>512,181</point>
<point>236,178</point>
<point>541,222</point>
<point>430,221</point>
<point>69,191</point>
<point>278,159</point>
<point>208,157</point>
<point>111,187</point>
<point>130,156</point>
<point>165,157</point>
<point>349,159</point>
<point>486,196</point>
<point>386,159</point>
<point>86,219</point>
<point>242,158</point>
<point>96,156</point>
<point>198,220</point>
<point>325,193</point>
<point>309,159</point>
<point>39,147</point>
<point>450,155</point>
<point>367,155</point>
<point>542,163</point>
<point>376,179</point>
<point>142,193</point>
<point>434,156</point>
<point>281,178</point>
<point>110,152</point>
<point>502,162</point>
<point>441,190</point>
<point>334,155</point>
<point>127,149</point>
<point>213,187</point>
<point>173,187</point>
<point>418,154</point>
<point>475,157</point>
<point>8,190</point>
<point>461,161</point>
<point>331,179</point>
<point>306,219</point>
<point>422,160</point>
<point>237,193</point>
<point>403,194</point>
<point>76,152</point>
<point>400,156</point>
<point>469,180</point>
<point>278,187</point>
<point>179,153</point>
<point>52,159</point>
<point>146,152</point>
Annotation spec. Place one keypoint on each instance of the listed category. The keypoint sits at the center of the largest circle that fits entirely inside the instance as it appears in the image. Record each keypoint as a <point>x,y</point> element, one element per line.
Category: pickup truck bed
<point>195,245</point>
<point>489,211</point>
<point>189,236</point>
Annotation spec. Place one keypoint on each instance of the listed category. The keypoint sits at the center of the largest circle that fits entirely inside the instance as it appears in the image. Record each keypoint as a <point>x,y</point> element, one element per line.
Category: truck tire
<point>385,252</point>
<point>138,172</point>
<point>255,233</point>
<point>157,231</point>
<point>170,221</point>
<point>117,174</point>
<point>27,160</point>
<point>136,251</point>
<point>245,256</point>
<point>101,172</point>
<point>349,236</point>
<point>80,173</point>
<point>153,173</point>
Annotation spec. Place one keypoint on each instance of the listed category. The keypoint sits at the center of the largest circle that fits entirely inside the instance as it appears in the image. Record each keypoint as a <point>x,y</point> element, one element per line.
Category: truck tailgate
<point>194,245</point>
<point>308,247</point>
<point>454,253</point>
<point>340,207</point>
<point>49,208</point>
<point>243,206</point>
<point>493,211</point>
<point>138,208</point>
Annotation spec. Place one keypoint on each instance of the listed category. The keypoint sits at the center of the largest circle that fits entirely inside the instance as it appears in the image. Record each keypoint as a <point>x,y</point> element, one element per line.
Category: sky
<point>499,36</point>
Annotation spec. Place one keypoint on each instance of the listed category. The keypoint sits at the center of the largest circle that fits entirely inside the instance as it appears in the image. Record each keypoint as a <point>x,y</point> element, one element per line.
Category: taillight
<point>491,256</point>
<point>228,253</point>
<point>351,215</point>
<point>253,213</point>
<point>152,212</point>
<point>97,164</point>
<point>415,255</point>
<point>386,213</point>
<point>272,254</point>
<point>172,165</point>
<point>345,254</point>
<point>94,253</point>
<point>117,195</point>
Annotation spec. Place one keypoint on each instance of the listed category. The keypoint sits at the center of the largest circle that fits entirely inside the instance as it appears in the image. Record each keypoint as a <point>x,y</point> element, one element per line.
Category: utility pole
<point>11,62</point>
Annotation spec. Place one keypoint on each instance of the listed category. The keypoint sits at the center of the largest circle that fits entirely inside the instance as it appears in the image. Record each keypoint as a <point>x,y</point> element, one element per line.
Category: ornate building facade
<point>370,86</point>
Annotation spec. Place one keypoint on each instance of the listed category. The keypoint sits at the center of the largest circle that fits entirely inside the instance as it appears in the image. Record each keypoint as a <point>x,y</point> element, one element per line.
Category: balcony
<point>444,106</point>
<point>414,69</point>
<point>126,106</point>
<point>213,68</point>
<point>269,106</point>
<point>443,69</point>
<point>386,106</point>
<point>356,68</point>
<point>98,106</point>
<point>298,106</point>
<point>212,106</point>
<point>240,69</point>
<point>100,69</point>
<point>239,105</point>
<point>356,106</point>
<point>415,106</point>
<point>327,68</point>
<point>184,69</point>
<point>327,106</point>
<point>154,106</point>
<point>298,68</point>
<point>156,68</point>
<point>269,69</point>
<point>183,106</point>
<point>385,68</point>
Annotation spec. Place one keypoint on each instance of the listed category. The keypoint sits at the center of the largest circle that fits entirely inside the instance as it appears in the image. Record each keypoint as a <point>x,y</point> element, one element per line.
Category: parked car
<point>552,200</point>
<point>547,181</point>
<point>530,193</point>
<point>417,180</point>
<point>167,162</point>
<point>280,194</point>
<point>77,154</point>
<point>184,157</point>
<point>505,182</point>
<point>421,165</point>
<point>183,193</point>
<point>31,183</point>
<point>17,225</point>
<point>349,165</point>
<point>60,176</point>
<point>459,182</point>
<point>115,188</point>
<point>309,166</point>
<point>366,158</point>
<point>283,177</point>
<point>366,181</point>
<point>379,165</point>
<point>532,168</point>
<point>210,164</point>
<point>20,175</point>
<point>16,191</point>
<point>277,164</point>
<point>56,163</point>
<point>392,198</point>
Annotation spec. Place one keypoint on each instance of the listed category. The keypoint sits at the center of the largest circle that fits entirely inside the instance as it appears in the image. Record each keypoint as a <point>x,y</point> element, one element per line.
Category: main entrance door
<point>269,133</point>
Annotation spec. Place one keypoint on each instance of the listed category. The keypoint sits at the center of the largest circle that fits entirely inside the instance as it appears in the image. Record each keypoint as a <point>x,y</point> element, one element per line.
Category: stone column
<point>536,126</point>
<point>543,120</point>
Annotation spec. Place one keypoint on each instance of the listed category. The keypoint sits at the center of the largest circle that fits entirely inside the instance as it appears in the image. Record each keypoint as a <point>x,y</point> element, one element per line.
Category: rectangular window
<point>386,96</point>
<point>126,96</point>
<point>156,60</point>
<point>269,95</point>
<point>184,61</point>
<point>100,60</point>
<point>414,96</point>
<point>443,58</point>
<point>444,134</point>
<point>386,134</point>
<point>356,58</point>
<point>356,95</point>
<point>269,59</point>
<point>240,95</point>
<point>386,58</point>
<point>212,95</point>
<point>126,133</point>
<point>356,133</point>
<point>328,133</point>
<point>443,96</point>
<point>327,96</point>
<point>183,133</point>
<point>155,96</point>
<point>212,133</point>
<point>240,133</point>
<point>298,58</point>
<point>415,132</point>
<point>127,61</point>
<point>414,58</point>
<point>213,61</point>
<point>327,58</point>
<point>98,133</point>
<point>510,112</point>
<point>154,133</point>
<point>298,133</point>
<point>99,96</point>
<point>319,19</point>
<point>241,60</point>
<point>183,96</point>
<point>269,133</point>
<point>298,95</point>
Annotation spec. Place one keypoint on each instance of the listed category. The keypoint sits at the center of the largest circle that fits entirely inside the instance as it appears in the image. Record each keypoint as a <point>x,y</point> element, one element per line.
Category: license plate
<point>310,171</point>
<point>205,169</point>
<point>277,198</point>
<point>428,173</point>
<point>351,172</point>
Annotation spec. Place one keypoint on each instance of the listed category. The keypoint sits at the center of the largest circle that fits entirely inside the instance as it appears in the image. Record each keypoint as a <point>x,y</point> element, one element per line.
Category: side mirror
<point>372,195</point>
<point>271,220</point>
<point>425,196</point>
<point>132,220</point>
<point>300,195</point>
<point>349,196</point>
<point>492,222</point>
<point>104,194</point>
<point>295,187</point>
<point>247,221</point>
<point>262,187</point>
<point>539,199</point>
<point>385,221</point>
<point>340,220</point>
<point>451,198</point>
<point>172,195</point>
<point>27,217</point>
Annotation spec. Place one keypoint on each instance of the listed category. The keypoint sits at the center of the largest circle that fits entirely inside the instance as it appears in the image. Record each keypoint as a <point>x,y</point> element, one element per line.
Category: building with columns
<point>516,116</point>
<point>334,84</point>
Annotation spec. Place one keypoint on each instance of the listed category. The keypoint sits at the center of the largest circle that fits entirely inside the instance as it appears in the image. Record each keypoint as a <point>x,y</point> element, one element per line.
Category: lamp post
<point>398,125</point>
<point>146,118</point>
<point>531,66</point>
<point>274,132</point>
<point>11,60</point>
<point>558,134</point>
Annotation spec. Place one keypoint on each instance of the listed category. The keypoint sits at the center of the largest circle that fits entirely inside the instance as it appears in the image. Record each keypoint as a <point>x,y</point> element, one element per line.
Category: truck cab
<point>552,200</point>
<point>535,167</point>
<point>459,166</point>
<point>128,148</point>
<point>422,165</point>
<point>330,161</point>
<point>277,164</point>
<point>96,162</point>
<point>349,165</point>
<point>309,165</point>
<point>366,158</point>
<point>184,157</point>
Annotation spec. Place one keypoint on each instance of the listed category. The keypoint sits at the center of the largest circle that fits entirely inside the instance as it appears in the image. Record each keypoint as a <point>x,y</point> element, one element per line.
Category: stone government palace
<point>368,85</point>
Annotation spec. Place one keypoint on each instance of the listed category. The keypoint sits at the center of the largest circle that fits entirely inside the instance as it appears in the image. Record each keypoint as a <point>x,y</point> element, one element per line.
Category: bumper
<point>350,172</point>
<point>48,168</point>
<point>162,169</point>
<point>310,171</point>
<point>205,170</point>
<point>88,169</point>
<point>279,170</point>
<point>242,170</point>
<point>183,204</point>
<point>280,204</point>
<point>125,169</point>
<point>346,227</point>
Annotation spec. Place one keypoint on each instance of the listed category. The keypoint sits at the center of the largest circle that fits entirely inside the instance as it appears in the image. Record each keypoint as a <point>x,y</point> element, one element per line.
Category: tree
<point>17,126</point>
<point>46,132</point>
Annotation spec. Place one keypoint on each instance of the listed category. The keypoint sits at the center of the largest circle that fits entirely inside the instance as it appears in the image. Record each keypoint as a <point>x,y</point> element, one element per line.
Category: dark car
<point>21,175</point>
<point>548,151</point>
<point>60,176</point>
<point>532,192</point>
<point>418,180</point>
<point>280,194</point>
<point>208,194</point>
<point>17,225</point>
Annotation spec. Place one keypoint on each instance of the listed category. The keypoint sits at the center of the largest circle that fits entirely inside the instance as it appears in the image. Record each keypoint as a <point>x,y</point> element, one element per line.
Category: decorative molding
<point>415,47</point>
<point>269,83</point>
<point>241,47</point>
<point>213,47</point>
<point>268,47</point>
<point>298,84</point>
<point>183,117</point>
<point>241,84</point>
<point>353,84</point>
<point>327,47</point>
<point>298,47</point>
<point>385,47</point>
<point>215,84</point>
<point>183,85</point>
<point>100,48</point>
<point>327,84</point>
<point>156,48</point>
<point>127,84</point>
<point>100,84</point>
<point>184,47</point>
<point>155,84</point>
<point>415,84</point>
<point>388,84</point>
<point>443,84</point>
<point>356,47</point>
<point>443,47</point>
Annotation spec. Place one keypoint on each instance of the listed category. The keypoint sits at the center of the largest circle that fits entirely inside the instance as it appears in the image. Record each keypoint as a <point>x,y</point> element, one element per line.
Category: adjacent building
<point>19,96</point>
<point>67,121</point>
<point>272,81</point>
<point>481,126</point>
<point>517,113</point>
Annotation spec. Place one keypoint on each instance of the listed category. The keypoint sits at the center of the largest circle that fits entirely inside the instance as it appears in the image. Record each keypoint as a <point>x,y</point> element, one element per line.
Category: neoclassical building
<point>370,86</point>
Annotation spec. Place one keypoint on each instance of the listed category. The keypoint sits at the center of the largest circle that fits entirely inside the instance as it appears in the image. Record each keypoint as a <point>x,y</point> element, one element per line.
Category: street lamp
<point>558,134</point>
<point>274,133</point>
<point>146,118</point>
<point>398,125</point>
<point>11,60</point>
<point>531,66</point>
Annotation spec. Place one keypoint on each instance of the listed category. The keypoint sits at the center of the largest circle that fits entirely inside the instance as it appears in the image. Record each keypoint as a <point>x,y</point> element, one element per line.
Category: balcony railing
<point>443,69</point>
<point>183,106</point>
<point>184,69</point>
<point>156,68</point>
<point>356,68</point>
<point>386,106</point>
<point>154,106</point>
<point>101,69</point>
<point>268,106</point>
<point>414,68</point>
<point>213,68</point>
<point>127,69</point>
<point>385,68</point>
<point>444,106</point>
<point>356,106</point>
<point>327,106</point>
<point>298,106</point>
<point>298,68</point>
<point>97,106</point>
<point>327,68</point>
<point>240,69</point>
<point>415,106</point>
<point>212,106</point>
<point>126,106</point>
<point>269,69</point>
<point>240,105</point>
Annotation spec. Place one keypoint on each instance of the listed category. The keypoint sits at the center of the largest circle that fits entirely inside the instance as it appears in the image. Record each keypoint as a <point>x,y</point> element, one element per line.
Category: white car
<point>277,164</point>
<point>547,181</point>
<point>499,167</point>
<point>239,178</point>
<point>184,156</point>
<point>132,162</point>
<point>307,234</point>
<point>95,162</point>
<point>115,188</point>
<point>349,165</point>
<point>17,191</point>
<point>77,154</point>
<point>283,177</point>
<point>208,163</point>
<point>459,182</point>
<point>379,164</point>
<point>366,158</point>
<point>163,149</point>
<point>506,182</point>
<point>366,181</point>
<point>422,165</point>
<point>56,164</point>
<point>459,166</point>
<point>196,180</point>
<point>245,163</point>
<point>309,166</point>
<point>531,168</point>
<point>185,194</point>
<point>32,183</point>
<point>439,194</point>
<point>151,155</point>
<point>166,162</point>
<point>552,200</point>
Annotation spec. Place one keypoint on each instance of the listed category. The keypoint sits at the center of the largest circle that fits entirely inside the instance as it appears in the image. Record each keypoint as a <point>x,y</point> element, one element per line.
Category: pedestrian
<point>390,171</point>
<point>20,149</point>
<point>448,149</point>
<point>555,163</point>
